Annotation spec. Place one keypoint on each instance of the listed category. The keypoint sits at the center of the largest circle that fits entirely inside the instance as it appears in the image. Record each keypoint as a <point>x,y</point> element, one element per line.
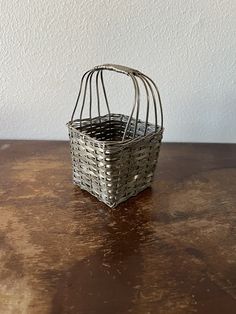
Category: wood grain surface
<point>170,250</point>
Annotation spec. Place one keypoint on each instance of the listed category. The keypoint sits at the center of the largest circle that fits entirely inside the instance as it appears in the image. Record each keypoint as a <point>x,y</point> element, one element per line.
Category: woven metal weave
<point>114,156</point>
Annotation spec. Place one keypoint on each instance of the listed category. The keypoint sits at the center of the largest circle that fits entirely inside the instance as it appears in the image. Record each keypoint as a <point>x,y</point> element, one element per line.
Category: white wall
<point>187,47</point>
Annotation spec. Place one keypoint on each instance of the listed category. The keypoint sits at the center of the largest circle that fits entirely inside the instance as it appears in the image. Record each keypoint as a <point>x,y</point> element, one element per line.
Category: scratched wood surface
<point>170,250</point>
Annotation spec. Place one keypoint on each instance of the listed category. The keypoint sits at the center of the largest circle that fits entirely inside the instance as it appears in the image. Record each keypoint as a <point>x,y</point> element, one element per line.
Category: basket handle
<point>149,85</point>
<point>117,68</point>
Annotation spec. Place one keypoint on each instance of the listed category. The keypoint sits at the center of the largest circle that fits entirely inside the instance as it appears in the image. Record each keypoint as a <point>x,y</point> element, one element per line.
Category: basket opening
<point>111,127</point>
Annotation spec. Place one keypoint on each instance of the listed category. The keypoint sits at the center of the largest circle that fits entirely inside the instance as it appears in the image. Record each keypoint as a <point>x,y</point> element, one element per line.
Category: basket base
<point>113,204</point>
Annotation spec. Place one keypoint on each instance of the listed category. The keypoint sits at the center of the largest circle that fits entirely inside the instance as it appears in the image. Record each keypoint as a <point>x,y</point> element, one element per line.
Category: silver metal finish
<point>114,155</point>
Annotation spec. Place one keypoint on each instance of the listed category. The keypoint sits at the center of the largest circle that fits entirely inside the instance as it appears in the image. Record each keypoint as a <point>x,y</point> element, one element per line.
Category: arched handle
<point>149,85</point>
<point>117,68</point>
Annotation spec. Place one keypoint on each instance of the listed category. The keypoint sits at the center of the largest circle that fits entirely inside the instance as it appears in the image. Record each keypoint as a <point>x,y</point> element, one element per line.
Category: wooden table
<point>170,250</point>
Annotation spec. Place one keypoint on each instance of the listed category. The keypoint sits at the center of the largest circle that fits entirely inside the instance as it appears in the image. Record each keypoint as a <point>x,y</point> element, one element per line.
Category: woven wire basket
<point>114,155</point>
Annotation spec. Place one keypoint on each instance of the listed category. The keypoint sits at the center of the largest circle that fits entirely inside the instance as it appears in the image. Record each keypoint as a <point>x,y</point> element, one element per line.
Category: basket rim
<point>127,141</point>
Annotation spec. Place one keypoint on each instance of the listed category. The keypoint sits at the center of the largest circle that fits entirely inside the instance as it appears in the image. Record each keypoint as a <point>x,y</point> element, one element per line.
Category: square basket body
<point>107,167</point>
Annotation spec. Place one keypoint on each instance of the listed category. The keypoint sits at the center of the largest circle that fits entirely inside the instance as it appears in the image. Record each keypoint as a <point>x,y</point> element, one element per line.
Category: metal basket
<point>114,155</point>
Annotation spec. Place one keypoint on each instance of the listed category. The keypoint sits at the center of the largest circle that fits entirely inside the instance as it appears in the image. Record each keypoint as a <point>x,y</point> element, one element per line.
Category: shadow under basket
<point>107,167</point>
